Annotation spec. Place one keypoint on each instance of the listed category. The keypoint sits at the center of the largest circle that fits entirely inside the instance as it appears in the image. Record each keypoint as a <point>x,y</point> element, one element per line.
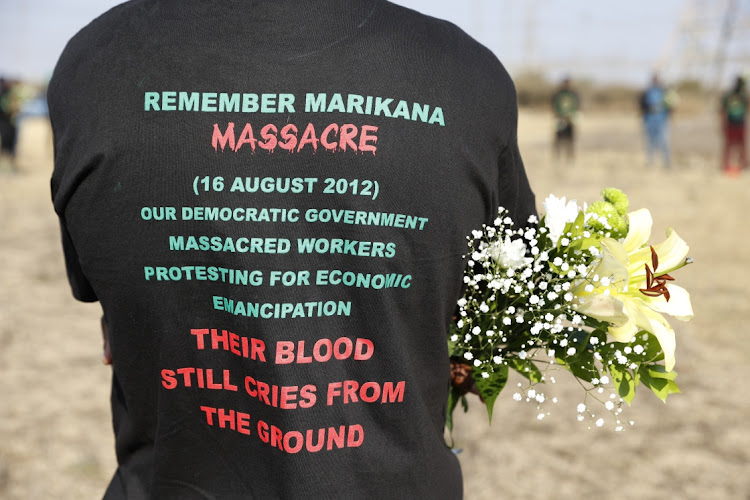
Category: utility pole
<point>710,37</point>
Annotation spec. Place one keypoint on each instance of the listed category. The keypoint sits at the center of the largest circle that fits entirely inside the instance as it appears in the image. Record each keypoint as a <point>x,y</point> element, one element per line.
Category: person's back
<point>653,104</point>
<point>271,203</point>
<point>734,105</point>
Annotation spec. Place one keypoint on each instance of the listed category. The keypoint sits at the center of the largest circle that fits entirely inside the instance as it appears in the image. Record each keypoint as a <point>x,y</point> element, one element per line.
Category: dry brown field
<point>55,431</point>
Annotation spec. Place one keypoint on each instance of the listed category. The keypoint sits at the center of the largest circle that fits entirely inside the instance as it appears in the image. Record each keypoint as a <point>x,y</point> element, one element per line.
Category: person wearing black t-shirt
<point>271,204</point>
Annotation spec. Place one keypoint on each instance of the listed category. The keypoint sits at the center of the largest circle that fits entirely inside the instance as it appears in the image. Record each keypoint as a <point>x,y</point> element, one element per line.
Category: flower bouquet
<point>581,289</point>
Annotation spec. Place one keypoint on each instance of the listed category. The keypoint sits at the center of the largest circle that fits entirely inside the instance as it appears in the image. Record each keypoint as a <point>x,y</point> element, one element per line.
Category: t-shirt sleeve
<point>79,283</point>
<point>513,188</point>
<point>515,193</point>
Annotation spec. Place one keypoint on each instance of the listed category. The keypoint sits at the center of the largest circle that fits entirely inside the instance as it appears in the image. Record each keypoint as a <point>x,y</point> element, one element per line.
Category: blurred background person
<point>8,131</point>
<point>733,114</point>
<point>656,105</point>
<point>565,106</point>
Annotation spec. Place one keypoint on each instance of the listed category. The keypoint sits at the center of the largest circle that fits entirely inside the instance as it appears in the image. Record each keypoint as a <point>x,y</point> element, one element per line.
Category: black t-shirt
<point>271,202</point>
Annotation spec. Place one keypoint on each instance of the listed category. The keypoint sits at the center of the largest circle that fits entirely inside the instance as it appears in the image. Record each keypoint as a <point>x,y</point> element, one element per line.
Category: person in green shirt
<point>733,117</point>
<point>565,105</point>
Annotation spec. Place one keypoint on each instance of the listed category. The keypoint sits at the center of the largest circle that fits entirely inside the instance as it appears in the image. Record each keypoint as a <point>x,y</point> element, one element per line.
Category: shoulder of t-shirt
<point>96,35</point>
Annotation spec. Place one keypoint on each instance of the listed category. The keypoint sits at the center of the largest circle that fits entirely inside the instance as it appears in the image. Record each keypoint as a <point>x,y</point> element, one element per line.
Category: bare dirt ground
<point>55,431</point>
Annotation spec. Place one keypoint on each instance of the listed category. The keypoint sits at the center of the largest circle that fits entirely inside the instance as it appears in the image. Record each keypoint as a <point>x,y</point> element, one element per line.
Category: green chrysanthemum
<point>618,226</point>
<point>618,199</point>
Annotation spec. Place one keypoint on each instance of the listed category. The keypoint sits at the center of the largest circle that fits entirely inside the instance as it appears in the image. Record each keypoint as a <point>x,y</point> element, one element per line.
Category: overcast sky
<point>603,39</point>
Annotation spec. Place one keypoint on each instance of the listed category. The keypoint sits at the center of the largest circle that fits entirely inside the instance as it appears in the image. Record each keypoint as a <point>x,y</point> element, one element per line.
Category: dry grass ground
<point>55,434</point>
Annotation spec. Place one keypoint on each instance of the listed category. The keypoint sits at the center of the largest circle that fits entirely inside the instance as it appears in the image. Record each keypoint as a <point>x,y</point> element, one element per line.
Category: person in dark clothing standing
<point>565,105</point>
<point>271,202</point>
<point>8,113</point>
<point>733,118</point>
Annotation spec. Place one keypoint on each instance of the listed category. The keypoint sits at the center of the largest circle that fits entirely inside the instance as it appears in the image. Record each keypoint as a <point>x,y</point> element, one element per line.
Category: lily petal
<point>678,306</point>
<point>603,308</point>
<point>672,252</point>
<point>639,230</point>
<point>624,333</point>
<point>665,335</point>
<point>613,261</point>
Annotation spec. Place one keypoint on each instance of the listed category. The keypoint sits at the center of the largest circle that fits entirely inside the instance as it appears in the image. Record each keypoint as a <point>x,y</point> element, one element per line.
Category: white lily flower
<point>627,307</point>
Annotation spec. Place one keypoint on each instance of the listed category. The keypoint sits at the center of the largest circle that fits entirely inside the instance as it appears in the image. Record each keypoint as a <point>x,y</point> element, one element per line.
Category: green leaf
<point>526,368</point>
<point>624,383</point>
<point>658,371</point>
<point>454,396</point>
<point>582,365</point>
<point>489,388</point>
<point>662,387</point>
<point>570,227</point>
<point>464,403</point>
<point>653,348</point>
